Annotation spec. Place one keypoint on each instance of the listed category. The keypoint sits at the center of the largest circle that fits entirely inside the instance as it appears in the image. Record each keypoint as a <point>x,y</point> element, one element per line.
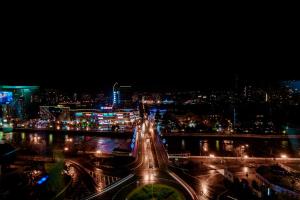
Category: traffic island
<point>155,191</point>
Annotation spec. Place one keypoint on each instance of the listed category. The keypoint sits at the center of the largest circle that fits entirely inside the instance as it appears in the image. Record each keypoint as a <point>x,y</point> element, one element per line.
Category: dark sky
<point>151,57</point>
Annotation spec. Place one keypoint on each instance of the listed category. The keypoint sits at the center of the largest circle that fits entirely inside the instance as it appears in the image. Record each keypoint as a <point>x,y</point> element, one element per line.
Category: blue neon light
<point>42,180</point>
<point>5,97</point>
<point>133,140</point>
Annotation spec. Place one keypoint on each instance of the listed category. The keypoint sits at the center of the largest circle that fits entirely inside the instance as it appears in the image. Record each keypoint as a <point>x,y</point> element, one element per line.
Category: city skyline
<point>226,137</point>
<point>194,107</point>
<point>156,82</point>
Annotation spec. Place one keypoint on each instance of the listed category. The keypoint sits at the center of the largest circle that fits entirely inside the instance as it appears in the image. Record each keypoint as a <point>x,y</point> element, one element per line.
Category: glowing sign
<point>5,97</point>
<point>106,108</point>
<point>108,114</point>
<point>78,114</point>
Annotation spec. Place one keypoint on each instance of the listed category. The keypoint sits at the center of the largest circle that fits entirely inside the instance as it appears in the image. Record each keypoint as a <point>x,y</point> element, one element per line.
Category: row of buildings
<point>283,94</point>
<point>32,107</point>
<point>104,119</point>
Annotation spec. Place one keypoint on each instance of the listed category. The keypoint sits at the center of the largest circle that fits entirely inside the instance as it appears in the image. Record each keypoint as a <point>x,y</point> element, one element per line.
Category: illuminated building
<point>125,95</point>
<point>116,95</point>
<point>120,120</point>
<point>122,96</point>
<point>22,97</point>
<point>61,113</point>
<point>105,119</point>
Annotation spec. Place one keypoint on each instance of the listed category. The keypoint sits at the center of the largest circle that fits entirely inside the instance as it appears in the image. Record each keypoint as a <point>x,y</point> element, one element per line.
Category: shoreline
<point>75,132</point>
<point>231,136</point>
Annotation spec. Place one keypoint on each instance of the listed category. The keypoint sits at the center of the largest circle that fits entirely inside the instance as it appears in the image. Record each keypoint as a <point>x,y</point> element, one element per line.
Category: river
<point>233,147</point>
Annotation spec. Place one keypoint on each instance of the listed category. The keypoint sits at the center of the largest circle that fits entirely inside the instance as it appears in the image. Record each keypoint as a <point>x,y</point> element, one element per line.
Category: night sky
<point>149,73</point>
<point>150,59</point>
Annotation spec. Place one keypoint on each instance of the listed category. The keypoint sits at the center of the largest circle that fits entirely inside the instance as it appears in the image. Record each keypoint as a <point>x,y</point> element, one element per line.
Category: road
<point>82,184</point>
<point>152,168</point>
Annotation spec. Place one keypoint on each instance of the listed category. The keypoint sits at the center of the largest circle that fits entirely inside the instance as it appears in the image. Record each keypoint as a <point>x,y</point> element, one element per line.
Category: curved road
<point>152,168</point>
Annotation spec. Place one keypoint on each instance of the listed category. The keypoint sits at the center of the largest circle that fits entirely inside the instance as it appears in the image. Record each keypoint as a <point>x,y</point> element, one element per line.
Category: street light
<point>283,156</point>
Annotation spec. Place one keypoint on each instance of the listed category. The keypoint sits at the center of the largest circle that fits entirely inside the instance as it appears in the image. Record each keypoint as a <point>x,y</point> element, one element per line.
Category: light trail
<point>116,184</point>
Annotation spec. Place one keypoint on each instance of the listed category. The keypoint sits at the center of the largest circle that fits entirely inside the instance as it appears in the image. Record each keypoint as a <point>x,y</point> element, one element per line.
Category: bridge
<point>245,158</point>
<point>180,155</point>
<point>151,167</point>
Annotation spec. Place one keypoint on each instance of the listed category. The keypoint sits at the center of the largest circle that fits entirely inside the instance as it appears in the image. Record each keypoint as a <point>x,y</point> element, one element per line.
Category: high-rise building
<point>126,94</point>
<point>122,95</point>
<point>116,95</point>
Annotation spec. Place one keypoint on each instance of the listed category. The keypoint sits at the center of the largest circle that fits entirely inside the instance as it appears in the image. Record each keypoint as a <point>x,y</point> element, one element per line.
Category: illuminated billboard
<point>6,97</point>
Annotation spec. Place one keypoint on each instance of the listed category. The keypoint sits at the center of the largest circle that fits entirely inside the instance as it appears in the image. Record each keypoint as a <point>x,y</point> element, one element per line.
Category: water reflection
<point>228,145</point>
<point>205,146</point>
<point>44,143</point>
<point>182,144</point>
<point>23,137</point>
<point>235,147</point>
<point>50,139</point>
<point>217,145</point>
<point>284,144</point>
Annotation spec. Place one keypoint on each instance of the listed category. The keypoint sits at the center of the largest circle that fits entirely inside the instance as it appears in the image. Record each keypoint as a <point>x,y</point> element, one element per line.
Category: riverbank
<point>76,132</point>
<point>231,136</point>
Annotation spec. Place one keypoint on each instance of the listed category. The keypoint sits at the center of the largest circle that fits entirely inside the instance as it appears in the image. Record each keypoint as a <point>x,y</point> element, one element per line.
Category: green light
<point>19,87</point>
<point>23,137</point>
